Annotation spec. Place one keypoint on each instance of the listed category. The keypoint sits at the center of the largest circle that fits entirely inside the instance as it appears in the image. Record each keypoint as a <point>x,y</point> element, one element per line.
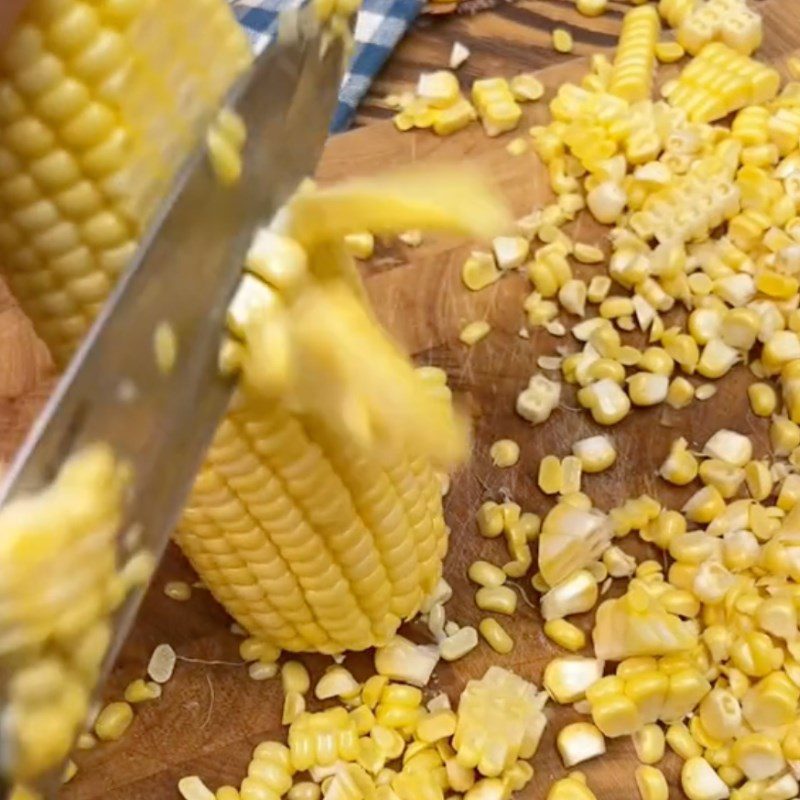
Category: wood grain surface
<point>211,713</point>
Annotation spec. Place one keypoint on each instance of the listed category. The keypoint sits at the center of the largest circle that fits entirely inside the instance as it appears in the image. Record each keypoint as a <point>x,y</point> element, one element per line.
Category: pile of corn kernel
<point>380,739</point>
<point>701,656</point>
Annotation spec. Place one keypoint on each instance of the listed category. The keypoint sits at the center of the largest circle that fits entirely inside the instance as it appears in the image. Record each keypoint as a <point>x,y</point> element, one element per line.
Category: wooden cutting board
<point>211,713</point>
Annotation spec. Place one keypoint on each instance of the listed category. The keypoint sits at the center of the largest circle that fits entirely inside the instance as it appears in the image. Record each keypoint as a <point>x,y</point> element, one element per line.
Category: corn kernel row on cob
<point>92,130</point>
<point>727,21</point>
<point>721,80</point>
<point>303,573</point>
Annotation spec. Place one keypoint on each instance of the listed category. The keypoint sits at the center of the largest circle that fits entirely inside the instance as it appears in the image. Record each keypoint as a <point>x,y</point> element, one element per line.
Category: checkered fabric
<point>379,27</point>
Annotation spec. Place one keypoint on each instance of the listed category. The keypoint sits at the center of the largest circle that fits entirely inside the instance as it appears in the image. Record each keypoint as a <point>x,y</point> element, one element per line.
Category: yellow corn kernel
<point>598,289</point>
<point>485,574</point>
<point>657,360</point>
<point>605,400</point>
<point>700,781</point>
<point>551,475</point>
<point>681,393</point>
<point>648,690</point>
<point>778,617</point>
<point>615,715</point>
<point>305,790</point>
<point>140,691</point>
<point>479,271</point>
<point>437,725</point>
<point>573,787</point>
<point>295,677</point>
<point>360,245</point>
<point>372,690</point>
<point>758,479</point>
<point>704,505</point>
<point>647,389</point>
<point>596,453</point>
<point>192,788</point>
<point>669,52</point>
<point>496,636</point>
<point>453,118</point>
<point>648,742</point>
<point>681,742</point>
<point>498,599</point>
<point>591,8</point>
<point>725,478</point>
<point>755,654</point>
<point>651,783</point>
<point>473,332</point>
<point>720,714</point>
<point>784,436</point>
<point>526,87</point>
<point>113,721</point>
<point>758,755</point>
<point>504,453</point>
<point>562,41</point>
<point>763,399</point>
<point>574,595</point>
<point>500,116</point>
<point>617,306</point>
<point>604,368</point>
<point>364,720</point>
<point>777,285</point>
<point>587,254</point>
<point>438,89</point>
<point>680,467</point>
<point>490,519</point>
<point>771,702</point>
<point>565,634</point>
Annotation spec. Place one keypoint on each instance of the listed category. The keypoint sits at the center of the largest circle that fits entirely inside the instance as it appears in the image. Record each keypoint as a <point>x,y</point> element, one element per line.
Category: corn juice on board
<point>211,714</point>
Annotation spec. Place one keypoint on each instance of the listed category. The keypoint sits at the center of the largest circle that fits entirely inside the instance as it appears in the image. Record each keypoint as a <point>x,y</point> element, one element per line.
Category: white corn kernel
<point>510,252</point>
<point>536,402</point>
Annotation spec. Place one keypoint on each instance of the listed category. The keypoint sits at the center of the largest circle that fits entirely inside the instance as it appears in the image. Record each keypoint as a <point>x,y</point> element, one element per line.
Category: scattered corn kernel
<point>473,332</point>
<point>504,453</point>
<point>496,636</point>
<point>562,41</point>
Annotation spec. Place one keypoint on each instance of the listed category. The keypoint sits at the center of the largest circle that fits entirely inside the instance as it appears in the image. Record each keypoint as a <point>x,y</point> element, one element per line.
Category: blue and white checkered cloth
<point>379,27</point>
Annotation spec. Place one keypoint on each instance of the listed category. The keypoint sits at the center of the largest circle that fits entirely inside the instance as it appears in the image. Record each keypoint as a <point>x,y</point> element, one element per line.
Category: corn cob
<point>93,129</point>
<point>313,520</point>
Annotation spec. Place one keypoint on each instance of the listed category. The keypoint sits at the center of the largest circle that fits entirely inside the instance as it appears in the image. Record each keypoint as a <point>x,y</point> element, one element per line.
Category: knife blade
<point>184,274</point>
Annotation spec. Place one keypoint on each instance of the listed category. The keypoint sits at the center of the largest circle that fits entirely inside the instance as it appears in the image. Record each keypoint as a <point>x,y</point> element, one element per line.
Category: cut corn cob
<point>364,559</point>
<point>500,719</point>
<point>720,80</point>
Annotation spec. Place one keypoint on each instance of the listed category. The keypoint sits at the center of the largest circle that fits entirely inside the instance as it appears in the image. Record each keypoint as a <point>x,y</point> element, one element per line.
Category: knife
<point>184,274</point>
